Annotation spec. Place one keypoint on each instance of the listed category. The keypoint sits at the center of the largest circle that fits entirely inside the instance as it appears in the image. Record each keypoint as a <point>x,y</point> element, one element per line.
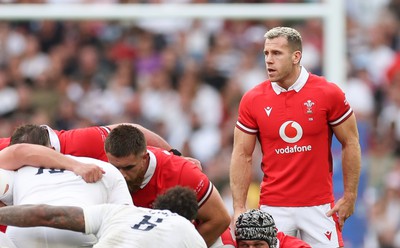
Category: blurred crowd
<point>184,80</point>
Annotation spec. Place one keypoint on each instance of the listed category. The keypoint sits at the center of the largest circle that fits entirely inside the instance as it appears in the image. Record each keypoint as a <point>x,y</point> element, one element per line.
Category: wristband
<point>175,152</point>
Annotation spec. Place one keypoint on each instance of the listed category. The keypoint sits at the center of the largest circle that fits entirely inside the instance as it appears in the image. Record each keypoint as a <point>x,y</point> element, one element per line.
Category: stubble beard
<point>134,186</point>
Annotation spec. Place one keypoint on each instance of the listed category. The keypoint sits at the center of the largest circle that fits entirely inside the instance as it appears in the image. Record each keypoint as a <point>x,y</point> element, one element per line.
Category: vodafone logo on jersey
<point>291,131</point>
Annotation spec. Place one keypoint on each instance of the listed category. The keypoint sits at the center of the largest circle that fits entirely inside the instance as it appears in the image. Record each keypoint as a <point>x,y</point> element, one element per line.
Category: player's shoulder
<point>157,150</point>
<point>162,156</point>
<point>321,82</point>
<point>84,131</point>
<point>88,160</point>
<point>322,87</point>
<point>169,167</point>
<point>166,159</point>
<point>259,89</point>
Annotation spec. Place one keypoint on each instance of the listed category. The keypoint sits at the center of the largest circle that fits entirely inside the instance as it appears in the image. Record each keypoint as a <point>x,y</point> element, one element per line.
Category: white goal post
<point>332,12</point>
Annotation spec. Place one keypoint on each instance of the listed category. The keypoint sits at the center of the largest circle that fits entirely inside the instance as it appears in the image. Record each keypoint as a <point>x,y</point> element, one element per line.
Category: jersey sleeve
<point>339,109</point>
<point>117,189</point>
<point>194,178</point>
<point>85,142</point>
<point>4,142</point>
<point>5,241</point>
<point>245,121</point>
<point>100,219</point>
<point>93,216</point>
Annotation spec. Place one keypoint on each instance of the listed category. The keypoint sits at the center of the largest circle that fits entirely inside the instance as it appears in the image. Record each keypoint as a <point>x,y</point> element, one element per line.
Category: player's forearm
<point>214,218</point>
<point>211,231</point>
<point>41,156</point>
<point>18,155</point>
<point>241,168</point>
<point>351,166</point>
<point>240,179</point>
<point>69,218</point>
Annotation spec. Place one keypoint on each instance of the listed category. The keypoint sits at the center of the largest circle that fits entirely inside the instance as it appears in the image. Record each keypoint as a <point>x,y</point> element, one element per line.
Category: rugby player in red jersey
<point>150,171</point>
<point>294,115</point>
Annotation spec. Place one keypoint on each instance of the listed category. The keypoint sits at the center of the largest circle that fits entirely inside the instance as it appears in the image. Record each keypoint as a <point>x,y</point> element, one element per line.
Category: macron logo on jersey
<point>291,132</point>
<point>328,234</point>
<point>268,110</point>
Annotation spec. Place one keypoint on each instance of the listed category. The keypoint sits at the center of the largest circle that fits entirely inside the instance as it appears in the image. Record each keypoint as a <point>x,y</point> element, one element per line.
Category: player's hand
<point>91,173</point>
<point>344,208</point>
<point>195,161</point>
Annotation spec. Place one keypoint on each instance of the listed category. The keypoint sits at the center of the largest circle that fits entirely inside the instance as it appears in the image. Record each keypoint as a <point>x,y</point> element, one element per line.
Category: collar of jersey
<point>300,82</point>
<point>54,140</point>
<point>150,170</point>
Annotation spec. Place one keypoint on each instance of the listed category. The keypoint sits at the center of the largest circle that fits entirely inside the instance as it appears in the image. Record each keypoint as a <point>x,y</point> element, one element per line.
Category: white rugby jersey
<point>63,188</point>
<point>130,226</point>
<point>5,241</point>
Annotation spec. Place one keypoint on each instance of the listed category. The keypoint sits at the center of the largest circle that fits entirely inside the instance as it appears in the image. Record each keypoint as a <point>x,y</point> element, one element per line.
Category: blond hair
<point>292,36</point>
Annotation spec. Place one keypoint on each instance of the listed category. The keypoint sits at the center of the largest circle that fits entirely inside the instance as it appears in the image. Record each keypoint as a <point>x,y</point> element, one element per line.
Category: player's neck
<point>291,78</point>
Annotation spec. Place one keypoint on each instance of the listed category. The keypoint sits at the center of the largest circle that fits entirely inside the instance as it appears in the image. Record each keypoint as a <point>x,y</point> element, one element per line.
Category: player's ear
<point>296,57</point>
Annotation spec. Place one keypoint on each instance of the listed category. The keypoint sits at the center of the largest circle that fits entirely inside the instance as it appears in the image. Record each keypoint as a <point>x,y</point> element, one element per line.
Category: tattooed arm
<point>61,217</point>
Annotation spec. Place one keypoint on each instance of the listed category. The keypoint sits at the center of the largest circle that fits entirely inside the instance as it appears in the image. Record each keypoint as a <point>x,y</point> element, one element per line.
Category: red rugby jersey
<point>294,130</point>
<point>4,143</point>
<point>81,142</point>
<point>166,171</point>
